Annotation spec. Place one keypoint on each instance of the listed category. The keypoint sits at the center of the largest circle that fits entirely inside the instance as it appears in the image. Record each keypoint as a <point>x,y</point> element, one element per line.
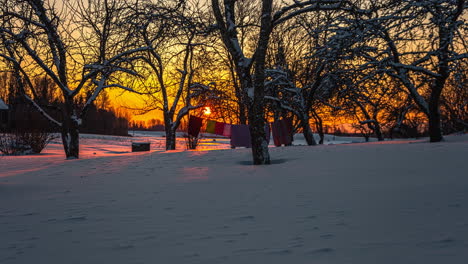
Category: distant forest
<point>24,117</point>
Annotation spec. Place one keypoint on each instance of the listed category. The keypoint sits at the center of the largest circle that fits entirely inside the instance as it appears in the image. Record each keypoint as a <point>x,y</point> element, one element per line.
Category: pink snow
<point>391,202</point>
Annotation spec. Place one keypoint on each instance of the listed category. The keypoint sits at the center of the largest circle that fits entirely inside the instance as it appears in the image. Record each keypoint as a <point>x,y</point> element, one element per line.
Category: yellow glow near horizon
<point>207,110</point>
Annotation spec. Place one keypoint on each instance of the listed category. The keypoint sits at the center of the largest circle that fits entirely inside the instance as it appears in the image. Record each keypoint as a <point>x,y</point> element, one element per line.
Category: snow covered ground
<point>378,202</point>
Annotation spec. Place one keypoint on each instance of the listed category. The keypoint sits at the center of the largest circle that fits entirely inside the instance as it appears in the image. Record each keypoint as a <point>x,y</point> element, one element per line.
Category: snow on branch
<point>283,105</point>
<point>21,39</point>
<point>301,7</point>
<point>19,71</point>
<point>414,68</point>
<point>121,56</point>
<point>198,89</point>
<point>41,111</point>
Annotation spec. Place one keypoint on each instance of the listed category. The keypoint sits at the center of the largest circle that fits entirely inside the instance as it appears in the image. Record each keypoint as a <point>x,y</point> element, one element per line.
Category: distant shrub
<point>12,144</point>
<point>37,140</point>
<point>191,141</point>
<point>22,143</point>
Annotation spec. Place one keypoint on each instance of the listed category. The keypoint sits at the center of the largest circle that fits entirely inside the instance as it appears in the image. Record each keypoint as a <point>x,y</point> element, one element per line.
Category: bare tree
<point>173,32</point>
<point>454,100</point>
<point>302,79</point>
<point>37,36</point>
<point>423,40</point>
<point>288,97</point>
<point>251,71</point>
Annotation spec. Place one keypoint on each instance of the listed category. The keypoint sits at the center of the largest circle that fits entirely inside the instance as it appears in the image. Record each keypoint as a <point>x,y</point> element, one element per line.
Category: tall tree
<point>251,71</point>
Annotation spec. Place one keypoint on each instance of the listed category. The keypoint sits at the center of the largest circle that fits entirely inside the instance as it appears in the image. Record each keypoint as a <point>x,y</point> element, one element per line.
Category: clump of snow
<point>392,202</point>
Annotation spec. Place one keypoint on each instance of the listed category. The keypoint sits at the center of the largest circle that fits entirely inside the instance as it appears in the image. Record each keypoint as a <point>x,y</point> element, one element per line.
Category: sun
<point>207,110</point>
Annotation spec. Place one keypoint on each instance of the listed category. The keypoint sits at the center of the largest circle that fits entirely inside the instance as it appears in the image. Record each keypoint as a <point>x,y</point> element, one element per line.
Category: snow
<point>401,201</point>
<point>3,106</point>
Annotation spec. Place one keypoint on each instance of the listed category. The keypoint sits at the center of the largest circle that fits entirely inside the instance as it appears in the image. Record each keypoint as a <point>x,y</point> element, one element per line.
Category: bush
<point>21,143</point>
<point>12,144</point>
<point>191,141</point>
<point>37,140</point>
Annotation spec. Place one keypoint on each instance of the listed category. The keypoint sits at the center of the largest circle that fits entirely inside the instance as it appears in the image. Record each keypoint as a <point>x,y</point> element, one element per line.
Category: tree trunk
<point>435,130</point>
<point>242,113</point>
<point>71,143</point>
<point>71,139</point>
<point>376,125</point>
<point>70,130</point>
<point>322,136</point>
<point>255,105</point>
<point>169,130</point>
<point>319,126</point>
<point>170,139</point>
<point>260,152</point>
<point>378,132</point>
<point>308,135</point>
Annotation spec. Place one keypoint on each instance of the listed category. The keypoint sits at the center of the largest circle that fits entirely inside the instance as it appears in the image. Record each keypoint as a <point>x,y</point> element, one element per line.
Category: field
<point>379,202</point>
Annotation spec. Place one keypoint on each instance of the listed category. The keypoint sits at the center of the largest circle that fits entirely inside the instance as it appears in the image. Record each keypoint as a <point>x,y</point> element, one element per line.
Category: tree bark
<point>71,143</point>
<point>319,126</point>
<point>70,132</point>
<point>242,114</point>
<point>171,141</point>
<point>260,151</point>
<point>307,131</point>
<point>378,132</point>
<point>435,129</point>
<point>170,137</point>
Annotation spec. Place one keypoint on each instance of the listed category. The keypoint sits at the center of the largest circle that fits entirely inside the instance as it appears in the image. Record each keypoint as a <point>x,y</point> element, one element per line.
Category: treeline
<point>24,117</point>
<point>149,125</point>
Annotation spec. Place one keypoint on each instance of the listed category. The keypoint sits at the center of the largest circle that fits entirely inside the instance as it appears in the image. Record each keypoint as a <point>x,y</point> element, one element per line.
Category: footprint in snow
<point>123,247</point>
<point>76,219</point>
<point>192,255</point>
<point>322,251</point>
<point>149,237</point>
<point>245,218</point>
<point>29,214</point>
<point>248,250</point>
<point>297,242</point>
<point>281,252</point>
<point>306,219</point>
<point>443,243</point>
<point>327,236</point>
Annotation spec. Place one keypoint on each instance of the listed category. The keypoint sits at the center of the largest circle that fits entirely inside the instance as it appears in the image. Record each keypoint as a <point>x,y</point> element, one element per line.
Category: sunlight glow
<point>207,110</point>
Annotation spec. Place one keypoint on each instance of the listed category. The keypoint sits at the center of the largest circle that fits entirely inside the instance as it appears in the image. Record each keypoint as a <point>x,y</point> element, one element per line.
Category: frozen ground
<point>390,202</point>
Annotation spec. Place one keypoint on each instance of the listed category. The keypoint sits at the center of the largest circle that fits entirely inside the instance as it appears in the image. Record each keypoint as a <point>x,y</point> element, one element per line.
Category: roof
<point>3,106</point>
